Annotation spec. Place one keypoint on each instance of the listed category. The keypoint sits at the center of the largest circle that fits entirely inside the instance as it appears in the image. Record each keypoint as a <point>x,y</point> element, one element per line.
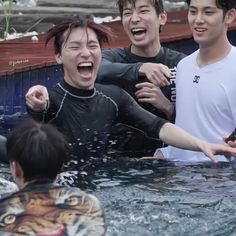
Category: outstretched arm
<point>175,136</point>
<point>115,67</point>
<point>132,114</point>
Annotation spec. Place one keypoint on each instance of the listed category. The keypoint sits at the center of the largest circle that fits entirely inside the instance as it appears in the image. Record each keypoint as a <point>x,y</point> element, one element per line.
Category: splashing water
<point>151,198</point>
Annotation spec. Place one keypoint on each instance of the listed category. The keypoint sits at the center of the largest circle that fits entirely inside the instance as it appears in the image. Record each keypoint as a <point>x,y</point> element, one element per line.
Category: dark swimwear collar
<point>40,183</point>
<point>136,58</point>
<point>75,91</point>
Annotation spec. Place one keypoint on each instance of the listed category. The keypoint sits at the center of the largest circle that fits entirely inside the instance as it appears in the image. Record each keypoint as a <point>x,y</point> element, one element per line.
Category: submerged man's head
<point>36,152</point>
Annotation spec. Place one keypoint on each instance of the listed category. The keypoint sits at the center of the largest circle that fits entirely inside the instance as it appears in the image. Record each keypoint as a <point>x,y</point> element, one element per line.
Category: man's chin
<point>86,86</point>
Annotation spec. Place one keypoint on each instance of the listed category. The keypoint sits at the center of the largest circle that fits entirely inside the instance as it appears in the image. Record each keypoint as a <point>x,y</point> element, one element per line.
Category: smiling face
<point>208,22</point>
<point>142,24</point>
<point>81,57</point>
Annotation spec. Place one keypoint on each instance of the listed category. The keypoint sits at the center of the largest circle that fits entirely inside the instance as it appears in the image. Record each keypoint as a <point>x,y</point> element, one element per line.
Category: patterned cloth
<point>49,210</point>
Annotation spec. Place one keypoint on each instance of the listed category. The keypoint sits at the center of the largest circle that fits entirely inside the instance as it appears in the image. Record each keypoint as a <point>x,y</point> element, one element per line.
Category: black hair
<point>158,5</point>
<point>103,32</point>
<point>225,5</point>
<point>39,148</point>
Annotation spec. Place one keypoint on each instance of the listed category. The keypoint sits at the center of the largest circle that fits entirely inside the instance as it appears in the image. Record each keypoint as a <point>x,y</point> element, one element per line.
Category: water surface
<point>170,200</point>
<point>145,199</point>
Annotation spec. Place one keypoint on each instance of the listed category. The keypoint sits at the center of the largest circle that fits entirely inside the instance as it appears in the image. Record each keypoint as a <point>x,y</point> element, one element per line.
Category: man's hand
<point>232,144</point>
<point>150,93</point>
<point>210,150</point>
<point>156,157</point>
<point>37,98</point>
<point>229,140</point>
<point>158,74</point>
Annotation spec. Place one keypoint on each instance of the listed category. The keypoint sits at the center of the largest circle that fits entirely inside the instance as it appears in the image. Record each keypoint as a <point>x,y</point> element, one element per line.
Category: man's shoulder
<point>171,53</point>
<point>189,58</point>
<point>112,91</point>
<point>116,51</point>
<point>233,52</point>
<point>56,92</point>
<point>108,89</point>
<point>171,57</point>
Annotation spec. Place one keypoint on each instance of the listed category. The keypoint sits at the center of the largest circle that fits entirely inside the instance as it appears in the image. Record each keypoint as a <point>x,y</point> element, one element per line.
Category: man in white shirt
<point>205,81</point>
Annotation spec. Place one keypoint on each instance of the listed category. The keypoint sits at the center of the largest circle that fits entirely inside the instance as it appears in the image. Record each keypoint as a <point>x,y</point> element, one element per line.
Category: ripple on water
<point>184,200</point>
<point>162,199</point>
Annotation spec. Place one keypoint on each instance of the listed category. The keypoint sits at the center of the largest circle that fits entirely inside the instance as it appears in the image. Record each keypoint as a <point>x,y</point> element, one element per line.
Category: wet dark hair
<point>225,5</point>
<point>39,148</point>
<point>158,5</point>
<point>103,32</point>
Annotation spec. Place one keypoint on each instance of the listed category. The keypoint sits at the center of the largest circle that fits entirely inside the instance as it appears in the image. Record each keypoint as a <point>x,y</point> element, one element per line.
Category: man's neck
<point>25,184</point>
<point>150,51</point>
<point>212,53</point>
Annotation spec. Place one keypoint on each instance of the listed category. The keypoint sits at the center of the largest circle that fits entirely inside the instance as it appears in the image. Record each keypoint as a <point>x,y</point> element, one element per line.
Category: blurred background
<point>25,13</point>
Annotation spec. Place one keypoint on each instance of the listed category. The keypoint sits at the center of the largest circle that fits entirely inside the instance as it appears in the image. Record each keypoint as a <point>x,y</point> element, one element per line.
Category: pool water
<point>171,200</point>
<point>151,198</point>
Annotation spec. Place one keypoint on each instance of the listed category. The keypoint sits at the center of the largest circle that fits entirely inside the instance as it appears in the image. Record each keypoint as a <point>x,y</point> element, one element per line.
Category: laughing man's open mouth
<point>138,31</point>
<point>85,67</point>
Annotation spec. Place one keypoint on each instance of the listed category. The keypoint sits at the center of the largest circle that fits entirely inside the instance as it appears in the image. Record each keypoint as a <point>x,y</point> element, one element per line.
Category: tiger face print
<point>52,212</point>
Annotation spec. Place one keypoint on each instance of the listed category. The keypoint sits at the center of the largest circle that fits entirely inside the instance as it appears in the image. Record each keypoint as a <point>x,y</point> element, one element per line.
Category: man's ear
<point>16,169</point>
<point>17,173</point>
<point>163,18</point>
<point>58,58</point>
<point>230,16</point>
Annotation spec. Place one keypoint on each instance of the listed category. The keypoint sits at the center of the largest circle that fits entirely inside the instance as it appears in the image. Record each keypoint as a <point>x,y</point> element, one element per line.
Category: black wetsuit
<point>87,116</point>
<point>3,151</point>
<point>120,67</point>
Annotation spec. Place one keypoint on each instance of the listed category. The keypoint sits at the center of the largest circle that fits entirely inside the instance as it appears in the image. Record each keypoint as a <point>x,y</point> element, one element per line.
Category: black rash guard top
<point>87,116</point>
<point>120,67</point>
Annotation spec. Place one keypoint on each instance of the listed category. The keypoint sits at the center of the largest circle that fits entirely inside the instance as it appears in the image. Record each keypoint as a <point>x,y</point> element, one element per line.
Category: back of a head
<point>39,148</point>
